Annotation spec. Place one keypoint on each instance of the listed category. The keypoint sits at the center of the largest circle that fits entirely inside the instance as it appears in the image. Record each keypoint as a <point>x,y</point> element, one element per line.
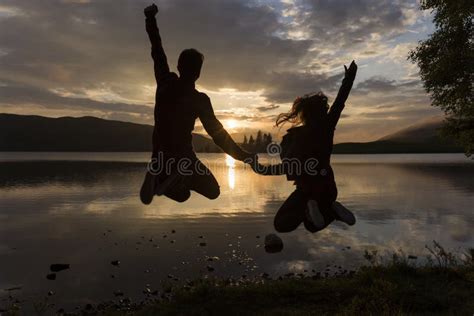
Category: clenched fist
<point>151,11</point>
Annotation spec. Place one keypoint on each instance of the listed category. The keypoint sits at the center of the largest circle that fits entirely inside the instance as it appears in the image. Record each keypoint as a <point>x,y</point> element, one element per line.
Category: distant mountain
<point>422,137</point>
<point>37,133</point>
<point>424,132</point>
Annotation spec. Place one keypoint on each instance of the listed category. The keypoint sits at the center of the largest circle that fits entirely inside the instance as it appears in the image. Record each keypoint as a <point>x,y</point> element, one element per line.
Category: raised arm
<point>343,94</point>
<point>220,136</point>
<point>157,51</point>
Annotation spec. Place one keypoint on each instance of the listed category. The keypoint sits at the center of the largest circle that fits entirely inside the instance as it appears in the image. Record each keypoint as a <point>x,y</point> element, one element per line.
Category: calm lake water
<point>83,209</point>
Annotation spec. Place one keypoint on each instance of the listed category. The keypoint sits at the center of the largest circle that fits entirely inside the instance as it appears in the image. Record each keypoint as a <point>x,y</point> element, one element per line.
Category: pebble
<point>16,288</point>
<point>56,267</point>
<point>273,243</point>
<point>212,258</point>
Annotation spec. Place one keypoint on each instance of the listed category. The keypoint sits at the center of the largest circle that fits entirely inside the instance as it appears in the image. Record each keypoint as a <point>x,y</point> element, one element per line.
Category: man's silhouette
<point>178,105</point>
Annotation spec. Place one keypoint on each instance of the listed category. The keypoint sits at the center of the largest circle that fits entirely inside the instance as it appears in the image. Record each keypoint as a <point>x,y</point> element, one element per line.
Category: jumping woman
<point>311,140</point>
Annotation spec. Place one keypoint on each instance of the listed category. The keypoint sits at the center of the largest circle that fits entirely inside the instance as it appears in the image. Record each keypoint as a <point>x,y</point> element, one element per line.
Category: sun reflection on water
<point>230,163</point>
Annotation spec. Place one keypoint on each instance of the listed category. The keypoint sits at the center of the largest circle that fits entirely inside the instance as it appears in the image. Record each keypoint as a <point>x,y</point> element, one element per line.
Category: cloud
<point>84,55</point>
<point>268,107</point>
<point>258,117</point>
<point>347,23</point>
<point>380,84</point>
<point>81,44</point>
<point>15,95</point>
<point>285,87</point>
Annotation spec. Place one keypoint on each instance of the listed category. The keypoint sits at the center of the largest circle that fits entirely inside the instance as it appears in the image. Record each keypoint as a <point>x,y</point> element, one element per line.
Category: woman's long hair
<point>301,107</point>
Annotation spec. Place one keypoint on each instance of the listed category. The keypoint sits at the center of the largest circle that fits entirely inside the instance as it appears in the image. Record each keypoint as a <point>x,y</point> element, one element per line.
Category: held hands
<point>256,166</point>
<point>252,160</point>
<point>352,71</point>
<point>151,11</point>
<point>266,170</point>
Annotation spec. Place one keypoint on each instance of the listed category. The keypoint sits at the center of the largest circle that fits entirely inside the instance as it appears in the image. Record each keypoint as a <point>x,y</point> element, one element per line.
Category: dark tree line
<point>446,61</point>
<point>258,143</point>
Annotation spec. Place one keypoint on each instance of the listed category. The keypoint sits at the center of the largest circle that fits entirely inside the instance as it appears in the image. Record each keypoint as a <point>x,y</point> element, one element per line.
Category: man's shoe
<point>343,214</point>
<point>314,215</point>
<point>148,188</point>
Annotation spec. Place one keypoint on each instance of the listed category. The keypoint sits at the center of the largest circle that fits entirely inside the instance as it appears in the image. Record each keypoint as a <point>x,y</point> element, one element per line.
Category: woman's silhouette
<point>314,200</point>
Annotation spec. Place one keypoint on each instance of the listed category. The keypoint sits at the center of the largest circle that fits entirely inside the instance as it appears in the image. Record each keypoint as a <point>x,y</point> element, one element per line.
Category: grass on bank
<point>376,290</point>
<point>444,285</point>
<point>441,285</point>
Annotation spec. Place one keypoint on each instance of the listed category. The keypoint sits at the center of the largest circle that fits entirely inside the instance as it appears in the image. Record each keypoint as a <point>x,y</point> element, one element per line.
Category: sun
<point>231,124</point>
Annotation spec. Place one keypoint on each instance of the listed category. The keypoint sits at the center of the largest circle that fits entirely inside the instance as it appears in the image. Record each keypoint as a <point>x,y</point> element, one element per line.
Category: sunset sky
<point>92,58</point>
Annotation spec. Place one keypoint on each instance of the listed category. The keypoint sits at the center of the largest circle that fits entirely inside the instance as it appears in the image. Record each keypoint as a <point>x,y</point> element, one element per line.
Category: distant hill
<point>424,132</point>
<point>37,133</point>
<point>422,137</point>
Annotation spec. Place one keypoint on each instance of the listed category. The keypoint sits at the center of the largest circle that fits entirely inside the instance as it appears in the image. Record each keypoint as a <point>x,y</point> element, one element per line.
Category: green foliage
<point>371,256</point>
<point>469,257</point>
<point>446,62</point>
<point>444,259</point>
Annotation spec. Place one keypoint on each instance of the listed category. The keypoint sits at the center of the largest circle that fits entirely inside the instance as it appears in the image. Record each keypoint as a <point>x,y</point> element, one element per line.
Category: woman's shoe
<point>314,215</point>
<point>343,214</point>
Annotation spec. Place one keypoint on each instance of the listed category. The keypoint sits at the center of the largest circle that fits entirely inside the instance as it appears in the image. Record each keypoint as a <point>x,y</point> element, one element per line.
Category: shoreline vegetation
<point>440,284</point>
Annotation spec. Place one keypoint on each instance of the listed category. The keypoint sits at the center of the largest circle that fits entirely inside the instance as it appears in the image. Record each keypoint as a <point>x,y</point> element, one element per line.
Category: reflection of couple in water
<point>179,104</point>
